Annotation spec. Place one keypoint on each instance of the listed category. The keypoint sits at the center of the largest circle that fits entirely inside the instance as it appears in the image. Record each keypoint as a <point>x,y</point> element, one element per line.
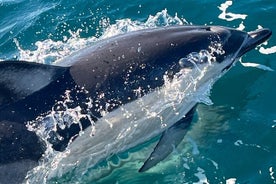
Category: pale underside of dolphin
<point>128,76</point>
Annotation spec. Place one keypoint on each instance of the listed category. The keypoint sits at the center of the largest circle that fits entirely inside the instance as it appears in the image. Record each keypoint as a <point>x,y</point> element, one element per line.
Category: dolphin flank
<point>147,83</point>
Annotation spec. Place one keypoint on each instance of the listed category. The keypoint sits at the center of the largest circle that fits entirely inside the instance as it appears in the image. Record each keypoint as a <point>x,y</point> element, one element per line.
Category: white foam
<point>231,181</point>
<point>49,51</point>
<point>256,65</point>
<point>270,50</point>
<point>272,174</point>
<point>241,26</point>
<point>228,16</point>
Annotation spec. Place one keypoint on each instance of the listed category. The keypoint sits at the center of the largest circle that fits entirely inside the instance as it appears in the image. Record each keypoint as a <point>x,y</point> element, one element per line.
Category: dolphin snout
<point>260,35</point>
<point>255,38</point>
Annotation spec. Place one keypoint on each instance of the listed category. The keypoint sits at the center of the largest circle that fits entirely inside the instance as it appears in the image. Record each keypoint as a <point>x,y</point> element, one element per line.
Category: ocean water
<point>230,141</point>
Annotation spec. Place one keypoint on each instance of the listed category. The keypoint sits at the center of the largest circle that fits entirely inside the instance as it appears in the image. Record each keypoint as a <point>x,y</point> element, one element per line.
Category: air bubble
<point>185,63</point>
<point>204,56</point>
<point>195,58</point>
<point>203,59</point>
<point>204,53</point>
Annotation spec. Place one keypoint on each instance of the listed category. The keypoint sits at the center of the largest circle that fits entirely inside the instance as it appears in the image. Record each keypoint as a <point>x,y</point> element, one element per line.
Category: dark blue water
<point>231,141</point>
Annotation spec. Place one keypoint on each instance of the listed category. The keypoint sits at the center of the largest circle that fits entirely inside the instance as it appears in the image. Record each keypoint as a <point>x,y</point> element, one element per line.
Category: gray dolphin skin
<point>108,74</point>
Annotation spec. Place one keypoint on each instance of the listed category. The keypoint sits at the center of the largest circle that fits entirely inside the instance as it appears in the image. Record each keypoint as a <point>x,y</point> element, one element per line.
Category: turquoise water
<point>233,139</point>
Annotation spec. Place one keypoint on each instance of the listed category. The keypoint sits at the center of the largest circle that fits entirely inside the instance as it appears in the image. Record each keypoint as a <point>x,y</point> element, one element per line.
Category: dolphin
<point>132,87</point>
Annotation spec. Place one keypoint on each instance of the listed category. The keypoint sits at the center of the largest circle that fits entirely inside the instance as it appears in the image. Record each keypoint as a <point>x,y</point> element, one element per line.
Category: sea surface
<point>231,141</point>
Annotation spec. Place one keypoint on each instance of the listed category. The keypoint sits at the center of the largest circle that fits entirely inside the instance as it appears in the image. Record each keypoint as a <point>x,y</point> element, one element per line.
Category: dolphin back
<point>19,79</point>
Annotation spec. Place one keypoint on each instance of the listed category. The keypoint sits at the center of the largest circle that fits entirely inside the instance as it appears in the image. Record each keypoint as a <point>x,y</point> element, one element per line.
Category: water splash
<point>269,50</point>
<point>228,16</point>
<point>49,51</point>
<point>126,25</point>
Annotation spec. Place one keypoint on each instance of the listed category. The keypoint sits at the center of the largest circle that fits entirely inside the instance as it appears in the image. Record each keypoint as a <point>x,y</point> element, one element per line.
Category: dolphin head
<point>236,43</point>
<point>225,45</point>
<point>216,54</point>
<point>253,39</point>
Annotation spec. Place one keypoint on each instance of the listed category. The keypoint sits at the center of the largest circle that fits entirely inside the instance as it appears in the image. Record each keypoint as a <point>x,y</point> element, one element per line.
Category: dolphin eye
<point>208,28</point>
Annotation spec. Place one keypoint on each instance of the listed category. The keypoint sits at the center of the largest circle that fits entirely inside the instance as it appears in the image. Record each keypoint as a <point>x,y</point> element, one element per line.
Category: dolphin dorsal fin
<point>169,140</point>
<point>19,79</point>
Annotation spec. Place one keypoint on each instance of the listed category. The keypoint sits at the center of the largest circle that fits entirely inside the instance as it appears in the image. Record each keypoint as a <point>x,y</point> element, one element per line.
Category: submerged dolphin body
<point>127,76</point>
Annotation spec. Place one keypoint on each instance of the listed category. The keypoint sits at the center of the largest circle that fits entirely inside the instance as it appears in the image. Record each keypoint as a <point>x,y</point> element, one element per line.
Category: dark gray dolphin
<point>110,72</point>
